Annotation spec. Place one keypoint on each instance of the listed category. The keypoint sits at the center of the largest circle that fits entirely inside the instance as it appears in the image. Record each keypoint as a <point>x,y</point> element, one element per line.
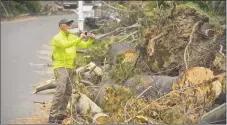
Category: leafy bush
<point>19,7</point>
<point>33,6</point>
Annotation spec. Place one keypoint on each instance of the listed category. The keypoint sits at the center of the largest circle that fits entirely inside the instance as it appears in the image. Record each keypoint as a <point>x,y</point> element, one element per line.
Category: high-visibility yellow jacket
<point>64,49</point>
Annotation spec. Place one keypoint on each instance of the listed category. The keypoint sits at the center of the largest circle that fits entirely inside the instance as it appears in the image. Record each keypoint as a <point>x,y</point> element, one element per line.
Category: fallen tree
<point>197,89</point>
<point>161,74</point>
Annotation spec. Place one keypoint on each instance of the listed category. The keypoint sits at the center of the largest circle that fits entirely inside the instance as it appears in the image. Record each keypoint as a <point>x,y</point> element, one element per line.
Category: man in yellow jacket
<point>64,47</point>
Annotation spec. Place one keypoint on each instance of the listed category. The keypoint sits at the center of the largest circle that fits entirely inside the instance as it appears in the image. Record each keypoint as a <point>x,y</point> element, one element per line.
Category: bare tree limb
<point>152,43</point>
<point>39,102</point>
<point>128,36</point>
<point>220,51</point>
<point>116,31</point>
<point>148,106</point>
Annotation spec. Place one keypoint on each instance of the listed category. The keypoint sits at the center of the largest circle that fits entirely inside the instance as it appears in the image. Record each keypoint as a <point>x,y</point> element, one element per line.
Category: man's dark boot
<point>61,117</point>
<point>53,120</point>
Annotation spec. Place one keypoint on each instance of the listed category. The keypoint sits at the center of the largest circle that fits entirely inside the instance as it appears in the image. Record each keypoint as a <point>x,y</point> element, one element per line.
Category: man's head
<point>65,24</point>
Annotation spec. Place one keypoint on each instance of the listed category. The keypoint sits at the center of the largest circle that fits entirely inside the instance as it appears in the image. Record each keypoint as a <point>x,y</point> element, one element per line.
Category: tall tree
<point>7,14</point>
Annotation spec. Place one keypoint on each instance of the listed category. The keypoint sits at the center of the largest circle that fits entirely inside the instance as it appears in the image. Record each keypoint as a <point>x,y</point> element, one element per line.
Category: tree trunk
<point>7,14</point>
<point>84,107</point>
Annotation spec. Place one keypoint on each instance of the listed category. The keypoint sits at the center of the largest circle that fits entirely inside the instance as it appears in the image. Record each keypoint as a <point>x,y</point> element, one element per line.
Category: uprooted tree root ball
<point>167,51</point>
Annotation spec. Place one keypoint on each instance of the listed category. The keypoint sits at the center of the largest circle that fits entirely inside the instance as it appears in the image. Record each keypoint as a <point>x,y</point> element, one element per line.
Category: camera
<point>88,33</point>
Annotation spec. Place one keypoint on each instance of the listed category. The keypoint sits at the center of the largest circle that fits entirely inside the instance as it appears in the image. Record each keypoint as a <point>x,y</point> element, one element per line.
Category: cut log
<point>98,71</point>
<point>199,86</point>
<point>84,107</point>
<point>87,76</point>
<point>82,69</point>
<point>100,118</point>
<point>160,85</point>
<point>49,84</point>
<point>52,85</point>
<point>215,116</point>
<point>90,67</point>
<point>86,82</point>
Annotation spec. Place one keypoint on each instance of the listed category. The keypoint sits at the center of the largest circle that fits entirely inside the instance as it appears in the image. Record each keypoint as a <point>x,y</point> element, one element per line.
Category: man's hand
<point>92,36</point>
<point>82,35</point>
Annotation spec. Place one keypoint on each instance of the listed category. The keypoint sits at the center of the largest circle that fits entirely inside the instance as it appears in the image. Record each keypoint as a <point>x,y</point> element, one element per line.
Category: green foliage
<point>99,50</point>
<point>159,10</point>
<point>97,53</point>
<point>18,7</point>
<point>216,18</point>
<point>115,97</point>
<point>33,6</point>
<point>121,71</point>
<point>121,6</point>
<point>82,59</point>
<point>208,6</point>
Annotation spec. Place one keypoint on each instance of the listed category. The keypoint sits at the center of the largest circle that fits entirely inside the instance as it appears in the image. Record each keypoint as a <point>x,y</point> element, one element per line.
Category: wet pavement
<point>19,43</point>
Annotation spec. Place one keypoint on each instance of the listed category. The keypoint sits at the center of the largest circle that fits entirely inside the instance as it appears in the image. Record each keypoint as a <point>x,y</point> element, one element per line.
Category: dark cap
<point>65,21</point>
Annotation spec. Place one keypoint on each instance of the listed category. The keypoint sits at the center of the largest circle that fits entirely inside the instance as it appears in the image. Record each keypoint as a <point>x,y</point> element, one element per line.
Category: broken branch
<point>39,102</point>
<point>152,43</point>
<point>121,10</point>
<point>220,51</point>
<point>128,36</point>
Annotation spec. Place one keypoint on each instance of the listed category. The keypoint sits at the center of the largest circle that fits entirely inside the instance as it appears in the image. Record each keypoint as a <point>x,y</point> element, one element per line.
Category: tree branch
<point>190,41</point>
<point>112,7</point>
<point>116,31</point>
<point>152,42</point>
<point>7,14</point>
<point>128,36</point>
<point>220,51</point>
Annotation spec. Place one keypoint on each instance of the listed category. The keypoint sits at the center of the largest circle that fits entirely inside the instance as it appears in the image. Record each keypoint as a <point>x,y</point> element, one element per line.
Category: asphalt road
<point>19,43</point>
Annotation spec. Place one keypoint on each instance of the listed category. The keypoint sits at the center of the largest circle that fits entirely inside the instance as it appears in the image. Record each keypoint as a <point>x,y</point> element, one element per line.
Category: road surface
<point>19,43</point>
